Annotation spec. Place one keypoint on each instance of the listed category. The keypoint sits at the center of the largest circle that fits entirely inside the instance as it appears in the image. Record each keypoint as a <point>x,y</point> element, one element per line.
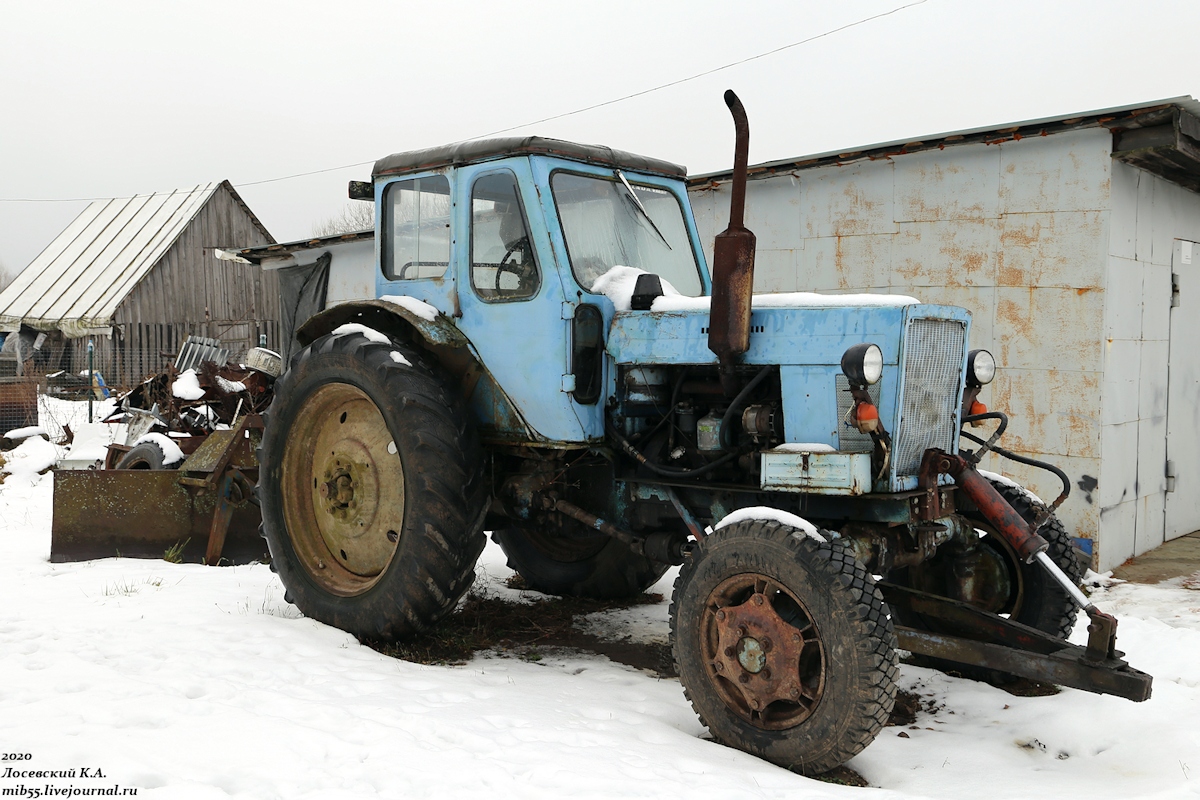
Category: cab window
<point>503,264</point>
<point>416,228</point>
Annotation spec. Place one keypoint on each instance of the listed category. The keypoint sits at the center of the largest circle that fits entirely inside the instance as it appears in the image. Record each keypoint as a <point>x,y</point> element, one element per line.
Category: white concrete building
<point>1075,243</point>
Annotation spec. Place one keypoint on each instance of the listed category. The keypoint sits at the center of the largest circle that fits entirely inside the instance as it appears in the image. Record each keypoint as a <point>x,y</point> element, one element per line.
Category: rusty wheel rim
<point>343,490</point>
<point>762,651</point>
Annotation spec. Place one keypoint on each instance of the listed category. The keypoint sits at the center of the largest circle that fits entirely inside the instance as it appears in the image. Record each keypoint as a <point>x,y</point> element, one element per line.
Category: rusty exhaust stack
<point>733,262</point>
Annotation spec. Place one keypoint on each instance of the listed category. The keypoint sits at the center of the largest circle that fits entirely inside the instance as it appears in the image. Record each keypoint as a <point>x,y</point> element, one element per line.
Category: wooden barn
<point>136,276</point>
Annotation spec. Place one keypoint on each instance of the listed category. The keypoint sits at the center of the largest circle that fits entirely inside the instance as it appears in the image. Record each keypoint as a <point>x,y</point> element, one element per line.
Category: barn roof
<point>77,282</point>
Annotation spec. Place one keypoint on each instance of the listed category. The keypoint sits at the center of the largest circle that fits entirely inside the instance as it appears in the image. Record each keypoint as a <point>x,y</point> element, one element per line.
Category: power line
<point>705,73</point>
<point>585,109</point>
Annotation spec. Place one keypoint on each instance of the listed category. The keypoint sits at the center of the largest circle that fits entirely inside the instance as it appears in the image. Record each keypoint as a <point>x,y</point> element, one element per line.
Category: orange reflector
<point>866,417</point>
<point>978,408</point>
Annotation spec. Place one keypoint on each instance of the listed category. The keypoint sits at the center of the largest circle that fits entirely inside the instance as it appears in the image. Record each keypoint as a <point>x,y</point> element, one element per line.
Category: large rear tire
<point>370,487</point>
<point>784,645</point>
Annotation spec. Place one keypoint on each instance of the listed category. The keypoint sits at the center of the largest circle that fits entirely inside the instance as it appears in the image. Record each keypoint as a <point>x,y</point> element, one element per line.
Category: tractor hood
<point>793,328</point>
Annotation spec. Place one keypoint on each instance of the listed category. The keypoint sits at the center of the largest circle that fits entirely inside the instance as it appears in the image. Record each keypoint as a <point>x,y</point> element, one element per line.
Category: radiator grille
<point>933,358</point>
<point>850,440</point>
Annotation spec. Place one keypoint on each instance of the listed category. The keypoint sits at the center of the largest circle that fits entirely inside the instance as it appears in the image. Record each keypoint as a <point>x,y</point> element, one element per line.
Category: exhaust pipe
<point>733,263</point>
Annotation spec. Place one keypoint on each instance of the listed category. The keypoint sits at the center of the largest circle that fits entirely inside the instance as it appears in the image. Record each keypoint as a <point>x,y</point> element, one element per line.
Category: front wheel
<point>1002,583</point>
<point>784,645</point>
<point>370,487</point>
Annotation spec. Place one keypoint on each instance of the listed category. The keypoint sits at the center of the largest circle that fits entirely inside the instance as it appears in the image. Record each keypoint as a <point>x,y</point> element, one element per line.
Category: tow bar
<point>988,640</point>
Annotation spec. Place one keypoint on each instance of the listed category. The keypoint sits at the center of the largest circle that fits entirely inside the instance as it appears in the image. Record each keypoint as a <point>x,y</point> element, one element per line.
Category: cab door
<point>513,307</point>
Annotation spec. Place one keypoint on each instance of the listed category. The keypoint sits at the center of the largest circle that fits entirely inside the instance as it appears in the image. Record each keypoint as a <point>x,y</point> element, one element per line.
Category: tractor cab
<point>509,238</point>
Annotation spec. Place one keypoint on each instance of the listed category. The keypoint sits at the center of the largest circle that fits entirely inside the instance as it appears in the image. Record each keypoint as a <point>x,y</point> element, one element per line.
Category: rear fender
<point>385,317</point>
<point>493,412</point>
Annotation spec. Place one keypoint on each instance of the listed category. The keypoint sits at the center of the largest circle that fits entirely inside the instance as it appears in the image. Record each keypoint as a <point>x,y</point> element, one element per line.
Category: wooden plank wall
<point>190,291</point>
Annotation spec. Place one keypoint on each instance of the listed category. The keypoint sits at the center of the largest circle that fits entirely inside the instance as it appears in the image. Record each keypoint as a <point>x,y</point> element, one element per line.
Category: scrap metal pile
<point>187,405</point>
<point>182,483</point>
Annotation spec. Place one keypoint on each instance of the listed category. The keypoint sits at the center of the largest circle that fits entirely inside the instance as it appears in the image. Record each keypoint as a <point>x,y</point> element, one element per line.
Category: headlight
<point>863,364</point>
<point>981,367</point>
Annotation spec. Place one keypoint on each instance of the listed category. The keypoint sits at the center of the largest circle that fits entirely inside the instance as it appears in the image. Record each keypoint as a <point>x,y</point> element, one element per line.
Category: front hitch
<point>1028,544</point>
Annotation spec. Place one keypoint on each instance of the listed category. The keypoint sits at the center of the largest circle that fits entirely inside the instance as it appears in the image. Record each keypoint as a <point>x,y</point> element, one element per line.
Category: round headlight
<point>863,364</point>
<point>981,367</point>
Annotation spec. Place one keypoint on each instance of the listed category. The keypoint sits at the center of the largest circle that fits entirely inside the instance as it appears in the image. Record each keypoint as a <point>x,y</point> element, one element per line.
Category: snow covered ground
<point>184,681</point>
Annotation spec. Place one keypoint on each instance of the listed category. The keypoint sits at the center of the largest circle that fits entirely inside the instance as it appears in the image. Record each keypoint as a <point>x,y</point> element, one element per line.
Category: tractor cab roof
<point>471,152</point>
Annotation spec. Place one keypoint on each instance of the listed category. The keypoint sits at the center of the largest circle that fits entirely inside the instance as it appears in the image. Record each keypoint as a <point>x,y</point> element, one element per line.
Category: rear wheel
<point>577,562</point>
<point>370,488</point>
<point>784,645</point>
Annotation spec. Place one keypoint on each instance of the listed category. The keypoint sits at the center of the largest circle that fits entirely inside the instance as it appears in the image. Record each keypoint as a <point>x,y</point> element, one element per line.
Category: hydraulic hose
<point>726,444</point>
<point>668,472</point>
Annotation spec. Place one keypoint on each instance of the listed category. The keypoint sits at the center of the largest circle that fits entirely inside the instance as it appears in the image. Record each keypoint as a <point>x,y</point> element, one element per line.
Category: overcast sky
<point>117,98</point>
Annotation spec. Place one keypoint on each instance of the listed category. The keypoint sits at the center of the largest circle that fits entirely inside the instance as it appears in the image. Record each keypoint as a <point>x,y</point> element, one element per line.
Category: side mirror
<point>362,190</point>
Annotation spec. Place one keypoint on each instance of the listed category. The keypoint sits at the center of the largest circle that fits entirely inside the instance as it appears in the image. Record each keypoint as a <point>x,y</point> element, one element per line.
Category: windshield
<point>604,228</point>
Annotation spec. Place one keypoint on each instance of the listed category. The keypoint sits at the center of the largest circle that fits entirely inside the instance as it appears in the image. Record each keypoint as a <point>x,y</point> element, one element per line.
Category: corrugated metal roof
<point>1115,118</point>
<point>77,282</point>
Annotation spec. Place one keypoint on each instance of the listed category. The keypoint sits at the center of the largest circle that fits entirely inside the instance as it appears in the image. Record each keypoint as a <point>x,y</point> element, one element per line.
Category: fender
<point>385,317</point>
<point>497,416</point>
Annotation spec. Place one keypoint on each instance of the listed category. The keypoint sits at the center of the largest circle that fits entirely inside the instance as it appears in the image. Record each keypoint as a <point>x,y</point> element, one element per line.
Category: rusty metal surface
<point>1011,526</point>
<point>768,671</point>
<point>975,637</point>
<point>18,403</point>
<point>733,262</point>
<point>1065,667</point>
<point>140,514</point>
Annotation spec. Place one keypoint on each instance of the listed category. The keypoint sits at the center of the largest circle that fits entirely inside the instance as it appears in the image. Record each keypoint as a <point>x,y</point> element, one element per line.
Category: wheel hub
<point>343,489</point>
<point>338,490</point>
<point>769,669</point>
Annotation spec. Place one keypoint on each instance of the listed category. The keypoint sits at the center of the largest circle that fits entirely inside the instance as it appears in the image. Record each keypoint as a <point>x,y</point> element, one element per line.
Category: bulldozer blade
<point>142,514</point>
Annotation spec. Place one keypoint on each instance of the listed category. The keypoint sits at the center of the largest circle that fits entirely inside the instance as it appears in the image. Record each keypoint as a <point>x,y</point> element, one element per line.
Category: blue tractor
<point>548,357</point>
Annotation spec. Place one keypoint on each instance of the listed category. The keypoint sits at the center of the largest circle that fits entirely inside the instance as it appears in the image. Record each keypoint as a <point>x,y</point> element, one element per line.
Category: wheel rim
<point>762,651</point>
<point>1005,572</point>
<point>343,490</point>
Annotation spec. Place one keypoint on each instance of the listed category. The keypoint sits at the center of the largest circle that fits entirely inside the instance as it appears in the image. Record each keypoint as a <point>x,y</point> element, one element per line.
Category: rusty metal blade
<point>140,514</point>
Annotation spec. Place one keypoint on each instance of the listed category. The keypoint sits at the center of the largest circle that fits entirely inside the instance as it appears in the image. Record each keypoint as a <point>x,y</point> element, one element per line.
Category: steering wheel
<point>520,269</point>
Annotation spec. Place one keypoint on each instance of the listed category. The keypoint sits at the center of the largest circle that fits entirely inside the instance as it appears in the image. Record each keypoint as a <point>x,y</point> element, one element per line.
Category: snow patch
<point>418,307</point>
<point>24,462</point>
<point>766,512</point>
<point>355,327</point>
<point>804,447</point>
<point>90,444</point>
<point>187,386</point>
<point>400,359</point>
<point>998,478</point>
<point>618,283</point>
<point>25,433</point>
<point>171,452</point>
<point>230,387</point>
